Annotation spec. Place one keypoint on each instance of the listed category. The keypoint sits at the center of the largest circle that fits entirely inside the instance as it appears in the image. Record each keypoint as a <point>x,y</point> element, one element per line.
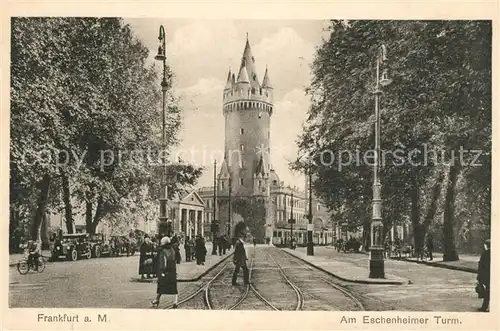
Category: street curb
<point>187,280</point>
<point>388,282</point>
<point>438,265</point>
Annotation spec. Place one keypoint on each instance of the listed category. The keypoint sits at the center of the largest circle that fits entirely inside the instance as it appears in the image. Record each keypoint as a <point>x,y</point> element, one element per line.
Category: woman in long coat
<point>145,255</point>
<point>167,273</point>
<point>200,250</point>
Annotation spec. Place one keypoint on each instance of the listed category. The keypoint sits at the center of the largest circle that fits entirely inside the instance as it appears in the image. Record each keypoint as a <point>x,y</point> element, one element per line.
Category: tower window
<point>241,181</point>
<point>274,182</point>
<point>253,89</point>
<point>260,183</point>
<point>268,134</point>
<point>242,131</point>
<point>222,185</point>
<point>242,147</point>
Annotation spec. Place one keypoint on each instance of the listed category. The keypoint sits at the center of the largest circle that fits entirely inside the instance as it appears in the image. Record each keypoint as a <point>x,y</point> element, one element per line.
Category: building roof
<point>274,177</point>
<point>266,82</point>
<point>248,62</point>
<point>229,82</point>
<point>261,167</point>
<point>243,75</point>
<point>224,171</point>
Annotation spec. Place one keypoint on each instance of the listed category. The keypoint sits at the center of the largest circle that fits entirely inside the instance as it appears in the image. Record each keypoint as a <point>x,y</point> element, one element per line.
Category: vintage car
<point>72,247</point>
<point>352,245</point>
<point>99,245</point>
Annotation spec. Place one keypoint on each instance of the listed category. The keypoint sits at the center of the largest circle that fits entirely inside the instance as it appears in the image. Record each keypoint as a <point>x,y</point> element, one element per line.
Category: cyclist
<point>34,253</point>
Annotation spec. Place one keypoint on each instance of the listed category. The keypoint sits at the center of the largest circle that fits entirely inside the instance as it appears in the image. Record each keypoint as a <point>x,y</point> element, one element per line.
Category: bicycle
<point>24,266</point>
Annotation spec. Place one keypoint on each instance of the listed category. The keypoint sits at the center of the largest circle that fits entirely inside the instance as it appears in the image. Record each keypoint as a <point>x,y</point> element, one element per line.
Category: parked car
<point>99,245</point>
<point>72,247</point>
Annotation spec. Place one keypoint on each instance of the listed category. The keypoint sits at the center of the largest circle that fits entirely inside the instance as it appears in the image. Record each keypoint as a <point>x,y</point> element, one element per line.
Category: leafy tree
<point>440,99</point>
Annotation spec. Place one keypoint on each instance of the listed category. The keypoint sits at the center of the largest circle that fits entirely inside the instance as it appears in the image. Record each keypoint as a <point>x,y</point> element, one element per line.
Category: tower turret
<point>229,82</point>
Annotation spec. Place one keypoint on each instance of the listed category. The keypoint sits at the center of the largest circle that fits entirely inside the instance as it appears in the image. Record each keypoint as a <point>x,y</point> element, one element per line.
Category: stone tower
<point>247,108</point>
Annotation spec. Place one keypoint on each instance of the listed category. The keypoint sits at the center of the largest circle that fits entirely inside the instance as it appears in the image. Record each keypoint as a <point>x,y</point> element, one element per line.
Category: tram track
<point>308,292</point>
<point>317,275</point>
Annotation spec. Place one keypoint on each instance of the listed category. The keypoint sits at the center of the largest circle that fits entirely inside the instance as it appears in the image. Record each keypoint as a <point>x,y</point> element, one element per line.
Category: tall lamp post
<point>376,240</point>
<point>291,221</point>
<point>310,244</point>
<point>229,211</point>
<point>215,226</point>
<point>165,227</point>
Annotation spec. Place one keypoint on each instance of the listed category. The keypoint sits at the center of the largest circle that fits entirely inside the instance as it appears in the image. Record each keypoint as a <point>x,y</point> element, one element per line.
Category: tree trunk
<point>98,215</point>
<point>88,216</point>
<point>449,250</point>
<point>415,217</point>
<point>41,207</point>
<point>432,208</point>
<point>44,232</point>
<point>68,212</point>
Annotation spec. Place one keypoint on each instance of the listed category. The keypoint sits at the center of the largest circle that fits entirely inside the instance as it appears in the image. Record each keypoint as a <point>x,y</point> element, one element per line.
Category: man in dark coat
<point>200,250</point>
<point>483,274</point>
<point>145,255</point>
<point>240,255</point>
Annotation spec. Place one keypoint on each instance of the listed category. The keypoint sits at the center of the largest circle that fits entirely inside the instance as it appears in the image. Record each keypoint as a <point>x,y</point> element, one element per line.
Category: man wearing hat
<point>240,255</point>
<point>483,274</point>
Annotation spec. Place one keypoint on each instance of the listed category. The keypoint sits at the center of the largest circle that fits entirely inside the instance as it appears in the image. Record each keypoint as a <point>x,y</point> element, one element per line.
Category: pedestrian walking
<point>220,245</point>
<point>187,249</point>
<point>483,276</point>
<point>145,258</point>
<point>175,242</point>
<point>200,250</point>
<point>224,244</point>
<point>430,246</point>
<point>240,255</point>
<point>167,273</point>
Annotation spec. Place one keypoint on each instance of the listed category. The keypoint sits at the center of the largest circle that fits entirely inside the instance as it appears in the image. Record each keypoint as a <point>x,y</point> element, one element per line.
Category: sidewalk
<point>190,271</point>
<point>467,263</point>
<point>343,270</point>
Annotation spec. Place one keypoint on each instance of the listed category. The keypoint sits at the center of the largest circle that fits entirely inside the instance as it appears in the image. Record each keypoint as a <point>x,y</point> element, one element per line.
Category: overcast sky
<point>200,53</point>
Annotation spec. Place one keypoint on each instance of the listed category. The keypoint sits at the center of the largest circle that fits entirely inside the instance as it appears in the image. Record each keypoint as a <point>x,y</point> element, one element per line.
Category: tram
<point>323,237</point>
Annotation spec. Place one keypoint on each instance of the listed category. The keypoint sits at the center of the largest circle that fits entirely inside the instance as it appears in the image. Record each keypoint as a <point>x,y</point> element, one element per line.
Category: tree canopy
<point>439,102</point>
<point>86,122</point>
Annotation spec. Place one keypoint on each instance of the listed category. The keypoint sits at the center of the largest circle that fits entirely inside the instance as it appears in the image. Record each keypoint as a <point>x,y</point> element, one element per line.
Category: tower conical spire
<point>229,82</point>
<point>266,82</point>
<point>243,75</point>
<point>248,61</point>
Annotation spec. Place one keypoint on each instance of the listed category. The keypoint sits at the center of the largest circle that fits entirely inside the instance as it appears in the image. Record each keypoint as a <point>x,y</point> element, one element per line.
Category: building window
<point>260,183</point>
<point>242,131</point>
<point>222,185</point>
<point>241,181</point>
<point>242,147</point>
<point>275,182</point>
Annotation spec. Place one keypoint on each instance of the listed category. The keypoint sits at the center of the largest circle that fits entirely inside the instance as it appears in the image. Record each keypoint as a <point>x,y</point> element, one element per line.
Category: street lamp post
<point>291,221</point>
<point>214,220</point>
<point>164,226</point>
<point>229,211</point>
<point>376,244</point>
<point>310,244</point>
